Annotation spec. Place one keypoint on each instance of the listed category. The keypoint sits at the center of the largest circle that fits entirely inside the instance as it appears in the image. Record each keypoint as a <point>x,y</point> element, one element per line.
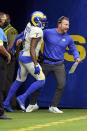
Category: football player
<point>33,36</point>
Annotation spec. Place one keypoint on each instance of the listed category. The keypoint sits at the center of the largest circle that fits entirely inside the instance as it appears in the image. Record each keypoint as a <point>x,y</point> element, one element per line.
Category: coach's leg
<point>61,79</point>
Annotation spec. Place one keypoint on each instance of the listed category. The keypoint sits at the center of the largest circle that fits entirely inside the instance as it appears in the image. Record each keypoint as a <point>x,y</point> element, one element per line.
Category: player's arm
<point>33,45</point>
<point>19,36</point>
<point>18,40</point>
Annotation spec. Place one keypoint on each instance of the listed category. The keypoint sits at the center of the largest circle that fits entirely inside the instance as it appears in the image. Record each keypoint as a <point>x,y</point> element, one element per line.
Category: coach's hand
<point>37,69</point>
<point>78,60</point>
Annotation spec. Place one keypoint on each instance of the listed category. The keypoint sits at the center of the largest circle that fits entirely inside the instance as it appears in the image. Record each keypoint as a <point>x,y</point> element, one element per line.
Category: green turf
<point>42,117</point>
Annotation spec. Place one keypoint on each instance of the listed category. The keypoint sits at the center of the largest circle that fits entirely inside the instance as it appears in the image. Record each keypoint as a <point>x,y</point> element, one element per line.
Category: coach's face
<point>3,19</point>
<point>64,26</point>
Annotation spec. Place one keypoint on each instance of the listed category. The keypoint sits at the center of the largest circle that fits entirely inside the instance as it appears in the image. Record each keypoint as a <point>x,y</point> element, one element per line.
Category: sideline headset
<point>61,18</point>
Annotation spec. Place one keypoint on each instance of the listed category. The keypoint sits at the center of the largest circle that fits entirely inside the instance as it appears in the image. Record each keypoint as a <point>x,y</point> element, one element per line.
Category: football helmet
<point>38,19</point>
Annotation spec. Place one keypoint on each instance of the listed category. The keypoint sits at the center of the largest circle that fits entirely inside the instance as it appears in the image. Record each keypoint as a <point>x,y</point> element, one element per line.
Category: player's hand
<point>9,58</point>
<point>37,69</point>
<point>78,60</point>
<point>18,42</point>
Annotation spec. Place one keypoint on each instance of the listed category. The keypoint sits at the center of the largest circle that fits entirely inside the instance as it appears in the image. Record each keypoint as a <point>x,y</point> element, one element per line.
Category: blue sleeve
<point>44,33</point>
<point>19,36</point>
<point>73,49</point>
<point>2,36</point>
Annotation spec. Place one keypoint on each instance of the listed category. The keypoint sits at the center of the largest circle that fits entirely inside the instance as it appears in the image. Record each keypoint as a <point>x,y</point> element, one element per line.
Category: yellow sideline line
<point>51,124</point>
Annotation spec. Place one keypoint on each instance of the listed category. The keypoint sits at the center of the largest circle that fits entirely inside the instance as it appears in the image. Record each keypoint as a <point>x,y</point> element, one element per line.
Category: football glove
<point>37,69</point>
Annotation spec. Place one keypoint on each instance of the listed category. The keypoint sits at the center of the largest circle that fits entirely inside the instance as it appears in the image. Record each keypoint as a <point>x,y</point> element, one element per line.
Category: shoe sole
<point>55,112</point>
<point>32,110</point>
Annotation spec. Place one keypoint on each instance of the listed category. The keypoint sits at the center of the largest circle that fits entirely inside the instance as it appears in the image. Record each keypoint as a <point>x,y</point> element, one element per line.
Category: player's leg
<point>35,95</point>
<point>21,77</point>
<point>35,85</point>
<point>33,101</point>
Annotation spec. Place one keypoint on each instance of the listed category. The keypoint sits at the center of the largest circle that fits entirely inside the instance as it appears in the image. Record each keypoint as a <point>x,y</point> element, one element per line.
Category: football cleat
<point>8,108</point>
<point>54,110</point>
<point>20,102</point>
<point>32,108</point>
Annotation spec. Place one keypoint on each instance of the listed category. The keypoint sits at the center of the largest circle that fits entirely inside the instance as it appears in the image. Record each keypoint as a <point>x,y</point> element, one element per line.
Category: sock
<point>12,91</point>
<point>36,85</point>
